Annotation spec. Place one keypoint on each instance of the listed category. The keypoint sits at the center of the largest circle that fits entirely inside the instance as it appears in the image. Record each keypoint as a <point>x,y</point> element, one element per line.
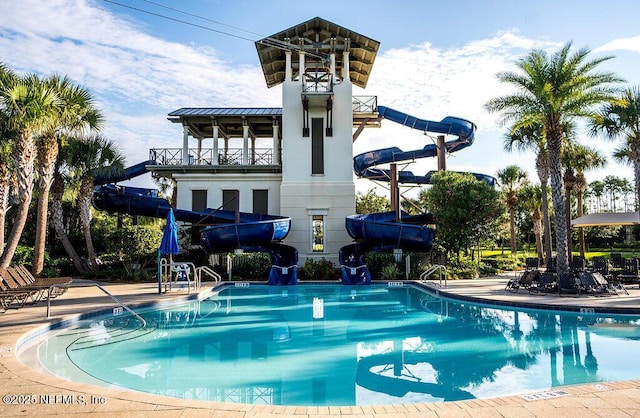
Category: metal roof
<point>227,111</point>
<point>318,38</point>
<point>230,121</point>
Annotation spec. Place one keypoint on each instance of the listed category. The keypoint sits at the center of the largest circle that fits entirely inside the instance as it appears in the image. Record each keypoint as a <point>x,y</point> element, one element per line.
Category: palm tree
<point>511,179</point>
<point>577,159</point>
<point>58,188</point>
<point>76,113</point>
<point>88,157</point>
<point>28,103</point>
<point>623,119</point>
<point>532,137</point>
<point>554,90</point>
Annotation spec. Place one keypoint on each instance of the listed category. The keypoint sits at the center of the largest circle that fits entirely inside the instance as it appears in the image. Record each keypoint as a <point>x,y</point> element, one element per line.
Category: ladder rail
<point>433,269</point>
<point>106,292</point>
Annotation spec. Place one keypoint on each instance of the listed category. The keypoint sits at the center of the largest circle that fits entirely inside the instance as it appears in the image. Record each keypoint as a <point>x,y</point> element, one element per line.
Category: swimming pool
<point>339,345</point>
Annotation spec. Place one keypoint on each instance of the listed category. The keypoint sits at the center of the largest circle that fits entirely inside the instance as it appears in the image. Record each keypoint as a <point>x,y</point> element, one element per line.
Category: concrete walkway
<point>26,392</point>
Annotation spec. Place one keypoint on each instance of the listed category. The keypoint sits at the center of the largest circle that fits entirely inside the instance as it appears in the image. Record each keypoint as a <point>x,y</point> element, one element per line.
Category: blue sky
<point>437,58</point>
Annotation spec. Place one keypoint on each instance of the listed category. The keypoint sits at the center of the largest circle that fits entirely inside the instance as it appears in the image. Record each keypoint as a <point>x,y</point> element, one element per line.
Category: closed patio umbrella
<point>168,245</point>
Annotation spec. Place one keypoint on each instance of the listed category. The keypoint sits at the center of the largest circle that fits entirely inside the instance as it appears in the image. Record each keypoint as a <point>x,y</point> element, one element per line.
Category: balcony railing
<point>365,104</point>
<point>233,156</point>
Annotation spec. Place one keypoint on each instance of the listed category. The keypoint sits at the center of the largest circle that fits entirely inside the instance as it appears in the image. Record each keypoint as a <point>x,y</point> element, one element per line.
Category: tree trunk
<point>47,156</point>
<point>5,190</point>
<point>554,137</point>
<point>569,180</point>
<point>84,206</point>
<point>537,231</point>
<point>57,218</point>
<point>636,178</point>
<point>24,156</point>
<point>542,167</point>
<point>512,228</point>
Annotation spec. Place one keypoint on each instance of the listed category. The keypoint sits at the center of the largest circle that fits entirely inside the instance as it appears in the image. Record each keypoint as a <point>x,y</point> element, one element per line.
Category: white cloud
<point>629,44</point>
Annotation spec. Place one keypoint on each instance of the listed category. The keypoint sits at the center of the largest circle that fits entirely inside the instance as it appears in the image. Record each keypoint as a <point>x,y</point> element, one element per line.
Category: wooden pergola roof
<point>318,38</point>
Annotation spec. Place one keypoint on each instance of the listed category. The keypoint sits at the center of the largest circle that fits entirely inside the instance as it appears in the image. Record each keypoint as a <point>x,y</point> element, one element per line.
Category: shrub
<point>318,270</point>
<point>390,272</point>
<point>252,266</point>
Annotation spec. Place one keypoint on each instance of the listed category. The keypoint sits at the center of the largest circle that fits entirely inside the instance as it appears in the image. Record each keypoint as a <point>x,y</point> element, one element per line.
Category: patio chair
<point>617,261</point>
<point>630,272</point>
<point>595,284</point>
<point>15,297</point>
<point>19,278</point>
<point>43,281</point>
<point>569,283</point>
<point>577,264</point>
<point>546,283</point>
<point>600,268</point>
<point>527,278</point>
<point>552,264</point>
<point>600,265</point>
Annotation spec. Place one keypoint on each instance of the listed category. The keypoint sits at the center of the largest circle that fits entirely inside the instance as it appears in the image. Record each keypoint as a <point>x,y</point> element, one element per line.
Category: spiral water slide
<point>382,231</point>
<point>223,230</point>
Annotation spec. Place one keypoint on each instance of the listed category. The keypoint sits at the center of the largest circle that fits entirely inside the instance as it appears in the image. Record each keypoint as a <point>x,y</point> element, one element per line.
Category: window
<point>231,200</point>
<point>317,146</point>
<point>198,204</point>
<point>198,200</point>
<point>317,233</point>
<point>261,201</point>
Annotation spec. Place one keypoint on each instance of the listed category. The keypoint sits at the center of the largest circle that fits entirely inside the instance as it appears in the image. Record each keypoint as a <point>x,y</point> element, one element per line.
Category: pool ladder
<point>433,269</point>
<point>106,292</point>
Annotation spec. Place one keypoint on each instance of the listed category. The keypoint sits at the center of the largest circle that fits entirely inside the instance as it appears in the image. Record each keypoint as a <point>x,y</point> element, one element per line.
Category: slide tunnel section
<point>223,230</point>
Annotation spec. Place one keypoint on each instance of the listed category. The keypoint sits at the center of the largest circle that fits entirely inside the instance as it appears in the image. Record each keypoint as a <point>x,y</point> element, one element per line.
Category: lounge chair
<point>601,269</point>
<point>630,271</point>
<point>16,298</point>
<point>525,281</point>
<point>601,265</point>
<point>617,261</point>
<point>577,264</point>
<point>595,284</point>
<point>19,278</point>
<point>546,283</point>
<point>527,278</point>
<point>569,283</point>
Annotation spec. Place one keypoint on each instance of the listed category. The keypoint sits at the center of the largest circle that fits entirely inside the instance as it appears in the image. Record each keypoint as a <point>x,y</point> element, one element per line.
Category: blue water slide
<point>382,231</point>
<point>222,231</point>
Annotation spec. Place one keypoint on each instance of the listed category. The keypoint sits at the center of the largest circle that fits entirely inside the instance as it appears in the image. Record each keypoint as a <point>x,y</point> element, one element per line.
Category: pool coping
<point>16,378</point>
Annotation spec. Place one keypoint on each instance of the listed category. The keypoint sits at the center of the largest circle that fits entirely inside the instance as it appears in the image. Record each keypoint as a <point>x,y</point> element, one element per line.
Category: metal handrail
<point>115,299</point>
<point>207,270</point>
<point>436,267</point>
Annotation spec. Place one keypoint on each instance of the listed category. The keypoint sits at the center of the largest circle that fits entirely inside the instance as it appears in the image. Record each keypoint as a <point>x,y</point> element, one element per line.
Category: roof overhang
<point>607,219</point>
<point>230,121</point>
<point>318,38</point>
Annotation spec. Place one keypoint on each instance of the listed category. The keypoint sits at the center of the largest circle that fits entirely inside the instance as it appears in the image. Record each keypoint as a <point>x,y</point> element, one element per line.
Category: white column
<point>199,159</point>
<point>288,71</point>
<point>345,66</point>
<point>214,151</point>
<point>245,143</point>
<point>276,143</point>
<point>332,67</point>
<point>185,145</point>
<point>302,67</point>
<point>253,150</point>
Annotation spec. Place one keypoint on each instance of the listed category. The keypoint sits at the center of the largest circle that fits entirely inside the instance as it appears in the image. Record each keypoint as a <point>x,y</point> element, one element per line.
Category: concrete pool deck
<point>27,392</point>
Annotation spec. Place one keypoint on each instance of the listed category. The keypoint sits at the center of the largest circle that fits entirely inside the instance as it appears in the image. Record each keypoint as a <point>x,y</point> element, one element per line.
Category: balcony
<point>170,160</point>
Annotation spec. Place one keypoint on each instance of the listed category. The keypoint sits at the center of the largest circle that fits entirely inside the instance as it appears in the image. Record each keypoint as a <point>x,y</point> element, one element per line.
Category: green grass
<point>506,253</point>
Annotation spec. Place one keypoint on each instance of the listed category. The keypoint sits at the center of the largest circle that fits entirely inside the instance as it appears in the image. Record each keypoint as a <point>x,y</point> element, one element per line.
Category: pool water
<point>338,345</point>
